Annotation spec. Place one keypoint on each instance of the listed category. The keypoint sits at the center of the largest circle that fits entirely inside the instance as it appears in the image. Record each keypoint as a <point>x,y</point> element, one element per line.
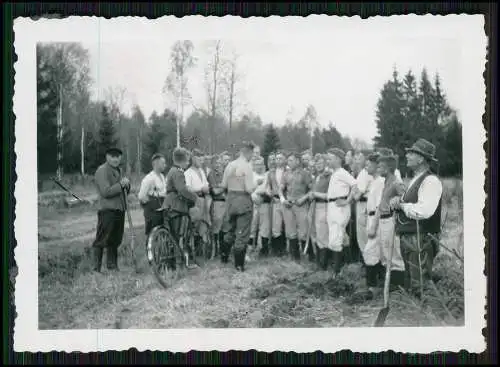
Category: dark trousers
<point>109,235</point>
<point>237,224</point>
<point>152,217</point>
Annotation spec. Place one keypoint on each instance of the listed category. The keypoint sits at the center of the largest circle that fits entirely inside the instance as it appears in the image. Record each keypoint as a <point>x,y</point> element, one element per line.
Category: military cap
<point>114,151</point>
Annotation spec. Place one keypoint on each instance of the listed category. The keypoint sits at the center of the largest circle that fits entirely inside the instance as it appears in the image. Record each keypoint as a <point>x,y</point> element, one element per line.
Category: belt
<point>335,199</point>
<point>371,214</point>
<point>234,192</point>
<point>276,196</point>
<point>200,194</point>
<point>321,200</point>
<point>385,216</point>
<point>363,199</point>
<point>218,199</point>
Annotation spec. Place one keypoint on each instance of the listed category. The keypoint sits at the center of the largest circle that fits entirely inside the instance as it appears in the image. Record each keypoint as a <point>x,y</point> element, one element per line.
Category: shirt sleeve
<point>144,189</point>
<point>349,179</point>
<point>362,182</point>
<point>225,176</point>
<point>249,180</point>
<point>189,179</point>
<point>429,194</point>
<point>179,180</point>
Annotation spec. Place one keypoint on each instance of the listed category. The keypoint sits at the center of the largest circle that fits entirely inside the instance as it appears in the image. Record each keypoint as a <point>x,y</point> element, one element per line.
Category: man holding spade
<point>112,188</point>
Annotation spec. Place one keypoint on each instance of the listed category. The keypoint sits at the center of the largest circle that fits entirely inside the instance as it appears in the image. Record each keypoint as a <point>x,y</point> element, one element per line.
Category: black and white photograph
<point>278,183</point>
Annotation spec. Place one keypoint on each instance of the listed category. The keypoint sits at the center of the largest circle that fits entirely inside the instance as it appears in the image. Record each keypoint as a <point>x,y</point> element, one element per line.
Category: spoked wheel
<point>165,256</point>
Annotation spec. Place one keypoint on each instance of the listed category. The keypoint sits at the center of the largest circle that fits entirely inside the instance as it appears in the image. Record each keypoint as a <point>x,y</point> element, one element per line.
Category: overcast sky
<point>337,65</point>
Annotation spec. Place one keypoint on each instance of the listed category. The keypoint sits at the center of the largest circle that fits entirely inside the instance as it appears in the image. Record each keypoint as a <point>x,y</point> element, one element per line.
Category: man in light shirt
<point>196,182</point>
<point>152,192</point>
<point>363,182</point>
<point>393,187</point>
<point>388,151</point>
<point>260,220</point>
<point>239,182</point>
<point>340,193</point>
<point>419,211</point>
<point>278,241</point>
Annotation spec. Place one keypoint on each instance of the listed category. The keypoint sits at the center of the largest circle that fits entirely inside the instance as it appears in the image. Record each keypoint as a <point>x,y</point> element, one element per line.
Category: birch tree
<point>176,84</point>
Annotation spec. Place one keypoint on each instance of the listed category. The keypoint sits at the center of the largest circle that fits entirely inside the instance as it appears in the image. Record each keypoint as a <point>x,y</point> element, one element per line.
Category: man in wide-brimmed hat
<point>419,214</point>
<point>385,220</point>
<point>340,194</point>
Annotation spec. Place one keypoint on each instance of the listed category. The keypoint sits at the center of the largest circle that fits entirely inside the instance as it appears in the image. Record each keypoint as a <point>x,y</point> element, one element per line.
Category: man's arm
<point>225,176</point>
<point>103,186</point>
<point>249,181</point>
<point>361,184</point>
<point>188,180</point>
<point>429,194</point>
<point>144,189</point>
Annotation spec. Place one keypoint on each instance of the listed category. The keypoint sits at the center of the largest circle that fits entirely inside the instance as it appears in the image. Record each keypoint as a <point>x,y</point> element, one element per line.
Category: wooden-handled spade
<point>131,230</point>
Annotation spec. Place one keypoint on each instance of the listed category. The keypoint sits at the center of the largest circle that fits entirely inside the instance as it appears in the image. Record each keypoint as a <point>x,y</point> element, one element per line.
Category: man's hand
<point>371,232</point>
<point>395,203</point>
<point>205,189</point>
<point>260,181</point>
<point>124,182</point>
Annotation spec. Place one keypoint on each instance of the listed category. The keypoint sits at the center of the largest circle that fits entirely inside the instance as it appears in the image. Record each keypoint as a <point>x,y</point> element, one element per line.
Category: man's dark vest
<point>407,225</point>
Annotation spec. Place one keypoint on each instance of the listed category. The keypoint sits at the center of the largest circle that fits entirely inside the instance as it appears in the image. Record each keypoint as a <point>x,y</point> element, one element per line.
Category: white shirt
<point>340,184</point>
<point>363,181</point>
<point>429,193</point>
<point>279,175</point>
<point>374,194</point>
<point>262,187</point>
<point>195,179</point>
<point>153,184</point>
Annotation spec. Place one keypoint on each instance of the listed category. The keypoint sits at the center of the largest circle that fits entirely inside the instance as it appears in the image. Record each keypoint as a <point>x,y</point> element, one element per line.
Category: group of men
<point>300,204</point>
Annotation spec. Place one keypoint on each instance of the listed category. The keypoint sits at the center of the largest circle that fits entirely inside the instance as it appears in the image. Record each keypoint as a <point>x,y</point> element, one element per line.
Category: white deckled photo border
<point>27,336</point>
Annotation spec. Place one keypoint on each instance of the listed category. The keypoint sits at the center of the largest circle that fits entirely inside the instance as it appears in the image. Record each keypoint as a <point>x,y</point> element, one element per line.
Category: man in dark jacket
<point>179,198</point>
<point>112,188</point>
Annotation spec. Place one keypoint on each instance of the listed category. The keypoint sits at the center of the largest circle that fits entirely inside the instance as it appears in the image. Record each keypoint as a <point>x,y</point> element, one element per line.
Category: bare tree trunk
<point>82,152</point>
<point>60,137</point>
<point>231,96</point>
<point>139,151</point>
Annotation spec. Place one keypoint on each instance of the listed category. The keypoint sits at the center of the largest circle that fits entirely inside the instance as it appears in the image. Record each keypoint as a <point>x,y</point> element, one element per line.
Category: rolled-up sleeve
<point>144,189</point>
<point>429,194</point>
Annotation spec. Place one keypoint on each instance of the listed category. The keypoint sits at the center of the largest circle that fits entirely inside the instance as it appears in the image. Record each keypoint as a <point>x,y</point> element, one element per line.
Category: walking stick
<point>382,315</point>
<point>131,229</point>
<point>309,230</point>
<point>420,261</point>
<point>66,189</point>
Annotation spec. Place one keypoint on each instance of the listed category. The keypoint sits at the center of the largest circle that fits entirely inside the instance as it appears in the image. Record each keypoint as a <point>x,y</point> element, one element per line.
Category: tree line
<point>75,130</point>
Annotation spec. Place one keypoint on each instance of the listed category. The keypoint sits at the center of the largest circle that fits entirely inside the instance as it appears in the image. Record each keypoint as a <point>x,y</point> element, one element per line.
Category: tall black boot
<point>337,261</point>
<point>97,253</point>
<point>224,252</point>
<point>112,258</point>
<point>264,250</point>
<point>243,254</point>
<point>294,249</point>
<point>310,251</point>
<point>371,276</point>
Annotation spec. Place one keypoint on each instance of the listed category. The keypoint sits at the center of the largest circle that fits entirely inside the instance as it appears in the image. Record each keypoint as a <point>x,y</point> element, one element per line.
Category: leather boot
<point>112,258</point>
<point>97,253</point>
<point>224,252</point>
<point>294,249</point>
<point>319,251</point>
<point>397,280</point>
<point>264,251</point>
<point>371,276</point>
<point>310,252</point>
<point>337,261</point>
<point>243,254</point>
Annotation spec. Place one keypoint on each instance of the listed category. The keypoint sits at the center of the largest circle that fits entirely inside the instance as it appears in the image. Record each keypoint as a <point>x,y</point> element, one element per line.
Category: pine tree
<point>271,142</point>
<point>107,133</point>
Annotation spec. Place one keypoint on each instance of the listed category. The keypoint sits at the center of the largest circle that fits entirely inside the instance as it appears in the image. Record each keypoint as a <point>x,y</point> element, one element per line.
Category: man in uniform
<point>218,200</point>
<point>419,215</point>
<point>320,203</point>
<point>152,193</point>
<point>112,188</point>
<point>239,183</point>
<point>294,194</point>
<point>385,218</point>
<point>179,198</point>
<point>278,242</point>
<point>340,193</point>
<point>260,220</point>
<point>196,181</point>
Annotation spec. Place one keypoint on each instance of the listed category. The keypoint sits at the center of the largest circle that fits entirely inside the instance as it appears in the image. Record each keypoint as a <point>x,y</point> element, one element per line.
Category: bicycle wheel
<point>165,256</point>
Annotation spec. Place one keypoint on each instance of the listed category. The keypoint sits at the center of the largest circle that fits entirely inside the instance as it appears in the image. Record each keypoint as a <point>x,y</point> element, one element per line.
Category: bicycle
<point>169,257</point>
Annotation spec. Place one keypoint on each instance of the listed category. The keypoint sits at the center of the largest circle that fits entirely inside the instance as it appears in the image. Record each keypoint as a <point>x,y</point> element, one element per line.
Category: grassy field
<point>270,293</point>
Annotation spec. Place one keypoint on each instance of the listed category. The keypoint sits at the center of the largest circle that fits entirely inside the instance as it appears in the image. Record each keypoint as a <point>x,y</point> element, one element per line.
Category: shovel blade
<point>381,317</point>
